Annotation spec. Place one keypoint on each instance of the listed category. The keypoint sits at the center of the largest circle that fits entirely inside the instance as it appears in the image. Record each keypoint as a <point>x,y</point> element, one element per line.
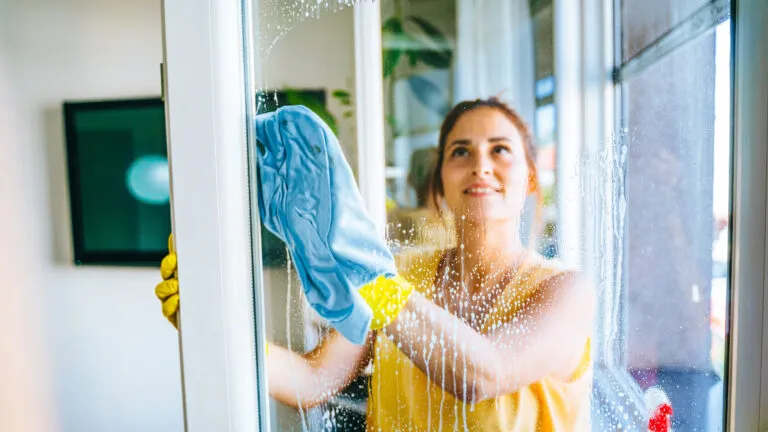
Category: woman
<point>495,337</point>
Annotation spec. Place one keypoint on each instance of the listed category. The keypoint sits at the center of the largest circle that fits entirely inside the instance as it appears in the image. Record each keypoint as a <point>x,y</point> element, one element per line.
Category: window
<point>652,191</point>
<point>661,290</point>
<point>673,202</point>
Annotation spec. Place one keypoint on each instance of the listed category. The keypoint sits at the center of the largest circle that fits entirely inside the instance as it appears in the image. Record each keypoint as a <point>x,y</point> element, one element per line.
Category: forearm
<point>546,338</point>
<point>294,380</point>
<point>454,355</point>
<point>306,380</point>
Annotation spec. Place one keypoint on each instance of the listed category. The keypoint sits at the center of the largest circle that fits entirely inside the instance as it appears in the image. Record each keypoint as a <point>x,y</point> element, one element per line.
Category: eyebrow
<point>459,142</point>
<point>466,142</point>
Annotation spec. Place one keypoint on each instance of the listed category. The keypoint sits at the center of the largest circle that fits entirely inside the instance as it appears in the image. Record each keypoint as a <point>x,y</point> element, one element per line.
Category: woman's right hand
<point>167,291</point>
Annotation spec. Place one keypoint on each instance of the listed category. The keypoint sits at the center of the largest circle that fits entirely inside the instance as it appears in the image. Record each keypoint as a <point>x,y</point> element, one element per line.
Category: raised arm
<point>295,379</point>
<point>547,338</point>
<point>310,379</point>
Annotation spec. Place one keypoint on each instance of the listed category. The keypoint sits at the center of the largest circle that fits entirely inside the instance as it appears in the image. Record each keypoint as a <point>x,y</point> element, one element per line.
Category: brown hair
<point>525,132</point>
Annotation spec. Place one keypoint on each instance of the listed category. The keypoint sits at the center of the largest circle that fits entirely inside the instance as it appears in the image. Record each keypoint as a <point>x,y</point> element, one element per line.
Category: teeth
<point>481,190</point>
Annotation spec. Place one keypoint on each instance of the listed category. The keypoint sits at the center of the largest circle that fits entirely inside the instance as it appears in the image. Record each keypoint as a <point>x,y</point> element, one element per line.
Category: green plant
<point>419,42</point>
<point>345,100</point>
<point>427,45</point>
<point>296,97</point>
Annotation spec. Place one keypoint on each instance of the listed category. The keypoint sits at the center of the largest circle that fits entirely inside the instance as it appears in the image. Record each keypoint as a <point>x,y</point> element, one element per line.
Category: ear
<point>533,184</point>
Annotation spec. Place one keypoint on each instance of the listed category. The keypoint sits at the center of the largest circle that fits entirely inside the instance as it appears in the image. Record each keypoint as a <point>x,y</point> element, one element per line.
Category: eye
<point>501,149</point>
<point>459,152</point>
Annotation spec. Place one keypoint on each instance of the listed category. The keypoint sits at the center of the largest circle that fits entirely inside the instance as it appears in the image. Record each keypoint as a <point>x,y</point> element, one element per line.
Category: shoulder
<point>536,269</point>
<point>556,282</point>
<point>543,285</point>
<point>545,274</point>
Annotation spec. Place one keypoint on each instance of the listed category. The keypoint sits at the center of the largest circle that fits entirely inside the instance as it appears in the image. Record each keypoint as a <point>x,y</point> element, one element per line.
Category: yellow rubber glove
<point>167,291</point>
<point>386,298</point>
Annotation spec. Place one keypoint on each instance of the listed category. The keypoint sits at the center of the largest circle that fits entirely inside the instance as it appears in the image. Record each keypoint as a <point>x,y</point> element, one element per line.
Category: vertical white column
<point>369,110</point>
<point>494,53</point>
<point>206,118</point>
<point>568,103</point>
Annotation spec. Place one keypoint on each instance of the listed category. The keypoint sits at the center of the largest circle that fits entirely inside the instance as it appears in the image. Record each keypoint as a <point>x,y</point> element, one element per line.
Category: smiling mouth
<point>481,190</point>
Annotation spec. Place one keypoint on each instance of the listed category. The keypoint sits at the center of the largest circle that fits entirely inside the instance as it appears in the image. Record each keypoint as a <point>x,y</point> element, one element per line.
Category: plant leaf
<point>389,60</point>
<point>342,96</point>
<point>296,98</point>
<point>439,57</point>
<point>392,122</point>
<point>392,25</point>
<point>390,57</point>
<point>339,93</point>
<point>433,32</point>
<point>435,59</point>
<point>413,59</point>
<point>429,94</point>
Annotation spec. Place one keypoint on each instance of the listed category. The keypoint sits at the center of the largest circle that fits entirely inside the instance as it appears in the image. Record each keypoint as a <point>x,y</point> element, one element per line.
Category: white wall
<point>25,394</point>
<point>114,360</point>
<point>318,53</point>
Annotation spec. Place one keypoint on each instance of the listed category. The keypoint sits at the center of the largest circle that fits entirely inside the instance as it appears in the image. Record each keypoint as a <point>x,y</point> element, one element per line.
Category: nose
<point>483,165</point>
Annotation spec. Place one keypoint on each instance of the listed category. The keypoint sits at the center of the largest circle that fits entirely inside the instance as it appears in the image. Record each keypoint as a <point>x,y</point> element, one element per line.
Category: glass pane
<point>306,54</point>
<point>419,39</point>
<point>677,228</point>
<point>473,224</point>
<point>424,80</point>
<point>642,22</point>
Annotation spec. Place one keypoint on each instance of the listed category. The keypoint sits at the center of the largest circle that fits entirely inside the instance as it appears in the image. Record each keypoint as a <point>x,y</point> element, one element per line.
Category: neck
<point>487,247</point>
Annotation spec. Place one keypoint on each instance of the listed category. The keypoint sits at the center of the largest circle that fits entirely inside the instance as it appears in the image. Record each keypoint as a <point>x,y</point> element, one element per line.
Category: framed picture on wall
<point>118,181</point>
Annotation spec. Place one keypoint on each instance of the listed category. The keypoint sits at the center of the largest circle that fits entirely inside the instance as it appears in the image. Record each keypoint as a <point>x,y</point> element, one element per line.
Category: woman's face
<point>485,174</point>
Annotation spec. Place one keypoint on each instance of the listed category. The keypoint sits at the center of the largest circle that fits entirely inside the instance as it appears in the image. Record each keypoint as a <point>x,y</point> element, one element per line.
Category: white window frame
<point>747,407</point>
<point>206,109</point>
<point>222,331</point>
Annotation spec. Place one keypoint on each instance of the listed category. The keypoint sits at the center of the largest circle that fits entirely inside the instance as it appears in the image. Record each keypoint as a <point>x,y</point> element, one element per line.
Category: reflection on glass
<point>495,339</point>
<point>677,207</point>
<point>643,22</point>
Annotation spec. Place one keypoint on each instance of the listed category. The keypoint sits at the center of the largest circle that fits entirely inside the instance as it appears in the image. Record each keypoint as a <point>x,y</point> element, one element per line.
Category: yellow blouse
<point>403,398</point>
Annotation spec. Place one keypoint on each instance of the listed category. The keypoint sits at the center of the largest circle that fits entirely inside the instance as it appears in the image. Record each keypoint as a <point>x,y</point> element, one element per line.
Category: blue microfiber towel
<point>309,199</point>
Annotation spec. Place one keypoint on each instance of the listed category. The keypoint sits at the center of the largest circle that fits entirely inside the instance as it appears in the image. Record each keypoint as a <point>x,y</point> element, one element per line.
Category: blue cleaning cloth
<point>309,199</point>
